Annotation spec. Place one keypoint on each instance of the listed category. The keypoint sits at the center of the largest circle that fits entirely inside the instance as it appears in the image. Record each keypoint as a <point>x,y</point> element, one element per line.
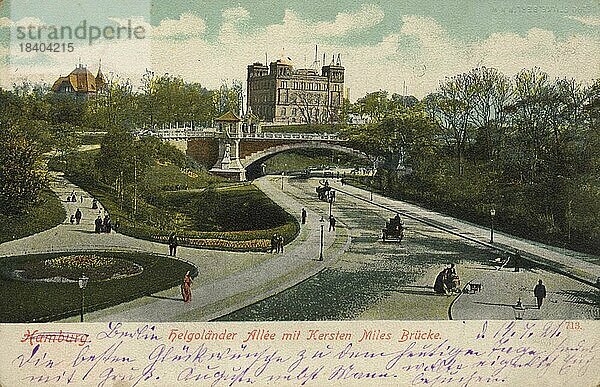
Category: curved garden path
<point>226,281</point>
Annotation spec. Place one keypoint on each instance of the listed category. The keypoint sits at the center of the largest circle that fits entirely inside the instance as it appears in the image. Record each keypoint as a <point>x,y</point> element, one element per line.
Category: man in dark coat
<point>540,293</point>
<point>172,244</point>
<point>106,225</point>
<point>303,216</point>
<point>78,216</point>
<point>332,223</point>
<point>440,283</point>
<point>98,224</point>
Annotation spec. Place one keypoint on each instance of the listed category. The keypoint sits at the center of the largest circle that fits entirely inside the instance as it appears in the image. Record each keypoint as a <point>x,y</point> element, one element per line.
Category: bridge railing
<point>291,136</point>
<point>183,133</point>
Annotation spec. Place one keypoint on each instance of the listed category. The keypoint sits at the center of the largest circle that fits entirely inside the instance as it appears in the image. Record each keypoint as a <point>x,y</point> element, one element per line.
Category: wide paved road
<point>376,280</point>
<point>360,278</point>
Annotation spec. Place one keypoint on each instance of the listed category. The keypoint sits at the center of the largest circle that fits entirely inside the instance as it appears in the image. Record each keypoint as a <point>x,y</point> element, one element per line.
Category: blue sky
<point>383,44</point>
<point>468,20</point>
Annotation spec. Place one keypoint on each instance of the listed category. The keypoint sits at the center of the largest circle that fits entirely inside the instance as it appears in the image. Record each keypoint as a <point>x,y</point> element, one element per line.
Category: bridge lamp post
<point>322,222</point>
<point>492,214</point>
<point>83,281</point>
<point>330,203</point>
<point>282,174</point>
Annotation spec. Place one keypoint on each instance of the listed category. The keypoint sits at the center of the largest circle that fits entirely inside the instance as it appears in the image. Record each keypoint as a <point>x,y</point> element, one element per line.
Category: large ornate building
<point>80,82</point>
<point>285,95</point>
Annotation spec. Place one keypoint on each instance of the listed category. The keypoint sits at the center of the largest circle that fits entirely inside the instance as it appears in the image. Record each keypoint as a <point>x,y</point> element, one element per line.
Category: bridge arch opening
<point>254,164</point>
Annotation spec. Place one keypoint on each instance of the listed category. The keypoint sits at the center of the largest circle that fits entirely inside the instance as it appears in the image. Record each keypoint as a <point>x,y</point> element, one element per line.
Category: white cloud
<point>188,26</point>
<point>366,17</point>
<point>5,22</point>
<point>416,55</point>
<point>232,15</point>
<point>28,21</point>
<point>587,20</point>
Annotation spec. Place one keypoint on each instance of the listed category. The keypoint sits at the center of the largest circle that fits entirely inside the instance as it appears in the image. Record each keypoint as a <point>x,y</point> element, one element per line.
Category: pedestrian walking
<point>517,262</point>
<point>186,288</point>
<point>72,220</point>
<point>106,224</point>
<point>540,293</point>
<point>332,223</point>
<point>280,244</point>
<point>94,204</point>
<point>172,245</point>
<point>303,216</point>
<point>81,198</point>
<point>98,225</point>
<point>274,241</point>
<point>78,216</point>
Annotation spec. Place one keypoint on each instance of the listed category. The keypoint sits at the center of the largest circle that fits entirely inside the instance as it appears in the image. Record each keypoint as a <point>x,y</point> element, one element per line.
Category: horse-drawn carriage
<point>323,192</point>
<point>394,229</point>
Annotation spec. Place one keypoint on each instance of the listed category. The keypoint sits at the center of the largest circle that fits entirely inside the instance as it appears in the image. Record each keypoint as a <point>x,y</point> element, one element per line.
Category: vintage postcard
<point>299,193</point>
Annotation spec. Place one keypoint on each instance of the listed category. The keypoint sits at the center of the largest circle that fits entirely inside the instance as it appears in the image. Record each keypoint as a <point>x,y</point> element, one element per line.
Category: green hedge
<point>48,213</point>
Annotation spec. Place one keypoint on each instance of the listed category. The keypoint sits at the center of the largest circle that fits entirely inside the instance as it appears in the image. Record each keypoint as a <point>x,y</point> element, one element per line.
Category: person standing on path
<point>540,293</point>
<point>172,245</point>
<point>303,216</point>
<point>78,216</point>
<point>517,258</point>
<point>280,244</point>
<point>274,241</point>
<point>186,288</point>
<point>331,223</point>
<point>98,224</point>
<point>106,225</point>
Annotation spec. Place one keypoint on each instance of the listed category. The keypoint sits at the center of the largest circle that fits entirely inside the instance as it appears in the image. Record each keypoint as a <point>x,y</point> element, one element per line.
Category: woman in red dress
<point>186,287</point>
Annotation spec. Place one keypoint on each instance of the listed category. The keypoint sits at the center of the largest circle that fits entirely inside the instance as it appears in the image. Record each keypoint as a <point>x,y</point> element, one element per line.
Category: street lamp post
<point>322,222</point>
<point>282,174</point>
<point>492,214</point>
<point>83,281</point>
<point>519,310</point>
<point>330,204</point>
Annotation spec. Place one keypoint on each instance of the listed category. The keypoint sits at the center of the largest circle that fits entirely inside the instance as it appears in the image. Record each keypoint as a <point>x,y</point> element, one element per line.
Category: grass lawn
<point>241,208</point>
<point>299,160</point>
<point>170,177</point>
<point>205,211</point>
<point>26,301</point>
<point>47,214</point>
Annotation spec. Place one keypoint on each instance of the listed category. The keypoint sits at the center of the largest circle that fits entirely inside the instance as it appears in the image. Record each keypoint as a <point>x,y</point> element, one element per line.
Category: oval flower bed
<point>71,267</point>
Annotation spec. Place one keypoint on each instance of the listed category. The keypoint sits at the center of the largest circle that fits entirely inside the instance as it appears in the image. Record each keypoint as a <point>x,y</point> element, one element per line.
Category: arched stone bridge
<point>229,150</point>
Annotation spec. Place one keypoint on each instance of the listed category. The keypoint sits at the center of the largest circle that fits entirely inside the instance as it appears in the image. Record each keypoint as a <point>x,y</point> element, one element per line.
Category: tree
<point>452,109</point>
<point>491,94</point>
<point>312,106</point>
<point>21,175</point>
<point>228,98</point>
<point>168,99</point>
<point>372,106</point>
<point>534,114</point>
